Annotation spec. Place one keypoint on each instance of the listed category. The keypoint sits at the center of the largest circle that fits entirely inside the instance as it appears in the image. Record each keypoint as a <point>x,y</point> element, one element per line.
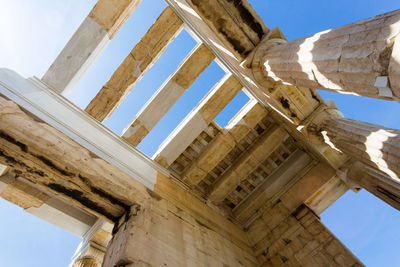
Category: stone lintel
<point>92,36</point>
<point>246,163</point>
<point>198,119</point>
<point>168,94</point>
<point>141,58</point>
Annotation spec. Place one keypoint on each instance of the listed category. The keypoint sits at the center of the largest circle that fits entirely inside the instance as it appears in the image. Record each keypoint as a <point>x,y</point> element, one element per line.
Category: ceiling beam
<point>26,195</point>
<point>140,59</point>
<point>282,103</point>
<point>246,18</point>
<point>61,114</point>
<point>57,165</point>
<point>276,182</point>
<point>224,142</point>
<point>60,166</point>
<point>198,120</point>
<point>55,152</point>
<point>247,162</point>
<point>168,94</point>
<point>199,25</point>
<point>92,36</point>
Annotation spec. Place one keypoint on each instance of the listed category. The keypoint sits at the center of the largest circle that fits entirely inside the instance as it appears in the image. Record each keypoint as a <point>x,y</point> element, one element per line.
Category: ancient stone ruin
<point>248,194</point>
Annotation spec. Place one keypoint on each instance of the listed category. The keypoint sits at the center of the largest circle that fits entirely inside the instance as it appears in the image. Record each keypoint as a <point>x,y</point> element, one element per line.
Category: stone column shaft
<point>86,262</point>
<point>373,145</point>
<point>91,257</point>
<point>376,182</point>
<point>362,58</point>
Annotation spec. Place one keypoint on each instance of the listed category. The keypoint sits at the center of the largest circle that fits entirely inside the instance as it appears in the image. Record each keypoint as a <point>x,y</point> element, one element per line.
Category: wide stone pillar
<point>161,234</point>
<point>375,182</point>
<point>362,58</point>
<point>371,144</point>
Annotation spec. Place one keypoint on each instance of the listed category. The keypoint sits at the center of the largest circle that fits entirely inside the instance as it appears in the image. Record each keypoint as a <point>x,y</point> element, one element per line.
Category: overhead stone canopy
<point>247,194</point>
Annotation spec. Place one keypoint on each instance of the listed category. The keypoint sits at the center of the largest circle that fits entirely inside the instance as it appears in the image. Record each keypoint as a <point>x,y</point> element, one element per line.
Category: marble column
<point>92,249</point>
<point>87,262</point>
<point>374,145</point>
<point>91,255</point>
<point>375,182</point>
<point>362,58</point>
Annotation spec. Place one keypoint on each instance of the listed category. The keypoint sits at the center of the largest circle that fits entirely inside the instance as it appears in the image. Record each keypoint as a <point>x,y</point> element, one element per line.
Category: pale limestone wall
<point>298,239</point>
<point>287,232</point>
<point>161,234</point>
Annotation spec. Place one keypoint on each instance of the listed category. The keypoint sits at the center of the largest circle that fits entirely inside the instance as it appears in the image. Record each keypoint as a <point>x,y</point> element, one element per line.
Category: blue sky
<point>32,34</point>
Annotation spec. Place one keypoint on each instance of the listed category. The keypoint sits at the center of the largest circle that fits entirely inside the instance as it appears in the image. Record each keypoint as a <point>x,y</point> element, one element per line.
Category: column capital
<point>343,174</point>
<point>92,249</point>
<point>312,126</point>
<point>92,255</point>
<point>273,38</point>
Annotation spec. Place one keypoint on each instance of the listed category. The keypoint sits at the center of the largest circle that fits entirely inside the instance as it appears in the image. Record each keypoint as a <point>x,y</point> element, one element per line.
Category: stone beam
<point>326,195</point>
<point>247,162</point>
<point>50,156</point>
<point>283,105</point>
<point>247,18</point>
<point>56,164</point>
<point>361,58</point>
<point>141,58</point>
<point>273,185</point>
<point>200,25</point>
<point>93,35</point>
<point>376,182</point>
<point>236,23</point>
<point>198,120</point>
<point>34,97</point>
<point>76,172</point>
<point>371,144</point>
<point>43,205</point>
<point>167,95</point>
<point>224,142</point>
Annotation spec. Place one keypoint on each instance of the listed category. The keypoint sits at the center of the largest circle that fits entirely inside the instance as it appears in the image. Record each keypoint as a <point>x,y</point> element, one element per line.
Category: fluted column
<point>371,144</point>
<point>87,262</point>
<point>92,249</point>
<point>92,255</point>
<point>375,182</point>
<point>362,58</point>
